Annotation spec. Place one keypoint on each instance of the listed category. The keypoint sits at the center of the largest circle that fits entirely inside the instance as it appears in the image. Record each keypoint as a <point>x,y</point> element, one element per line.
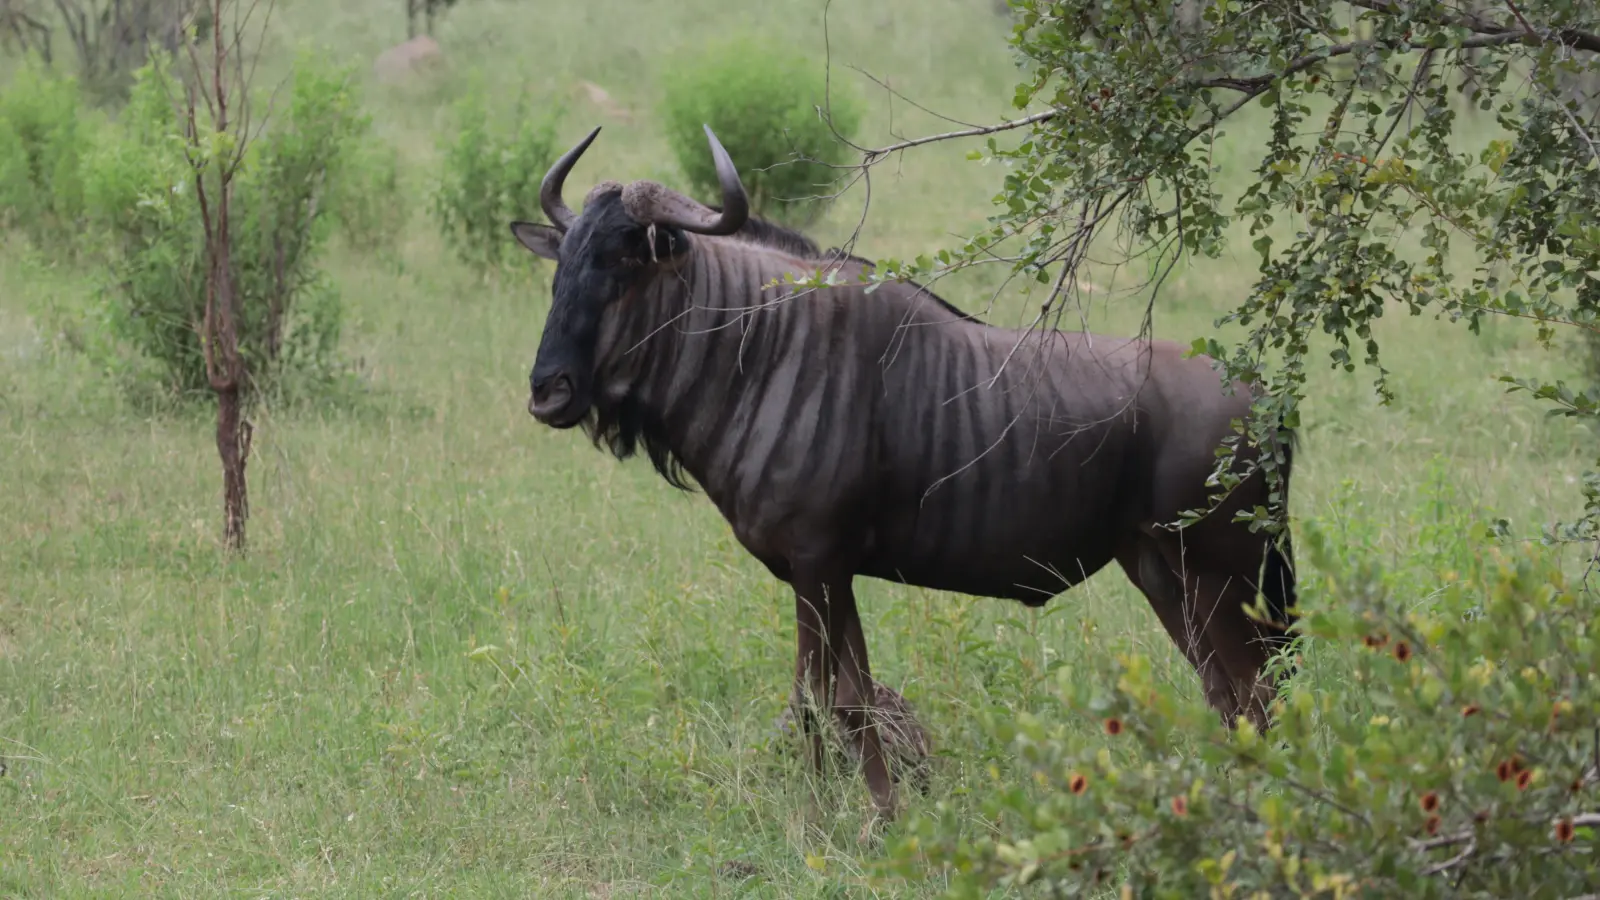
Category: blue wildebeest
<point>890,435</point>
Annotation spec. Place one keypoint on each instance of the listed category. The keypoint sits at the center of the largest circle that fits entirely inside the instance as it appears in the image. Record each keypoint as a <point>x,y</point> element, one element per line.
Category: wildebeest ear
<point>670,242</point>
<point>543,240</point>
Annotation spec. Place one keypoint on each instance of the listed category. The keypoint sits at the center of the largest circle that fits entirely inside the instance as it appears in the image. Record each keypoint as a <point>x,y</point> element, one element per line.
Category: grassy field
<point>470,656</point>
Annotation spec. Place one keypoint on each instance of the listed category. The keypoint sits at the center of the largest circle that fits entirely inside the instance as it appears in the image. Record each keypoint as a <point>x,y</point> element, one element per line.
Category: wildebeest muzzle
<point>553,400</point>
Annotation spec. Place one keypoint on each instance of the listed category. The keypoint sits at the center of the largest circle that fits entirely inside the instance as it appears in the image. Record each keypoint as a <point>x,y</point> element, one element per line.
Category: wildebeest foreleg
<point>1242,645</point>
<point>814,666</point>
<point>1150,573</point>
<point>831,664</point>
<point>1215,565</point>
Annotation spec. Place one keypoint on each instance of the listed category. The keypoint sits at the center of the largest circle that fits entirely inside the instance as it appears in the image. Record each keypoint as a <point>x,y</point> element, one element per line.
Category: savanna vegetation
<point>464,655</point>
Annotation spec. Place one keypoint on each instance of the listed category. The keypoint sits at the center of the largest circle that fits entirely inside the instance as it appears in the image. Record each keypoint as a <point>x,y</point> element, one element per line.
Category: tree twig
<point>1584,820</point>
<point>1572,37</point>
<point>1452,862</point>
<point>1255,84</point>
<point>1511,4</point>
<point>875,154</point>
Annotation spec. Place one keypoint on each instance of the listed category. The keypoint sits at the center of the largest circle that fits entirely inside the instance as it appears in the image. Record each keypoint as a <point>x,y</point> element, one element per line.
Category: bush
<point>491,176</point>
<point>761,103</point>
<point>42,132</point>
<point>141,193</point>
<point>368,202</point>
<point>1457,757</point>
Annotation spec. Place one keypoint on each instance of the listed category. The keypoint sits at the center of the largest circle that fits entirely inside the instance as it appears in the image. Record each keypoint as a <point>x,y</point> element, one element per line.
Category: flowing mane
<point>779,237</point>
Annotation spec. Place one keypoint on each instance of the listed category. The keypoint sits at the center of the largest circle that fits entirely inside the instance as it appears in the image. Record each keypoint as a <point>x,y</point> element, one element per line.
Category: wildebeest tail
<point>1278,587</point>
<point>1278,581</point>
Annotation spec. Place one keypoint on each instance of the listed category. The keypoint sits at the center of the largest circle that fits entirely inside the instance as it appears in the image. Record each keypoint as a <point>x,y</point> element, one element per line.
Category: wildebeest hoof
<point>738,870</point>
<point>871,833</point>
<point>905,742</point>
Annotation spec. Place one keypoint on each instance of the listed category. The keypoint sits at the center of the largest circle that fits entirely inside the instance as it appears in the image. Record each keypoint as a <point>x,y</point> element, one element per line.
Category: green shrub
<point>1456,759</point>
<point>368,202</point>
<point>141,194</point>
<point>42,135</point>
<point>491,176</point>
<point>761,102</point>
<point>17,188</point>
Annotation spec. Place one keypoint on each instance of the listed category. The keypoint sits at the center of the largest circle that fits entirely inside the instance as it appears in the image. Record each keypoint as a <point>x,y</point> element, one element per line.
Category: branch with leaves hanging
<point>1135,101</point>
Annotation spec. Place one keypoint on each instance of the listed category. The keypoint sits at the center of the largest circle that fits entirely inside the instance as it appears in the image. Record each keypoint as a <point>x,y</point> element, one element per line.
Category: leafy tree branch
<point>1348,219</point>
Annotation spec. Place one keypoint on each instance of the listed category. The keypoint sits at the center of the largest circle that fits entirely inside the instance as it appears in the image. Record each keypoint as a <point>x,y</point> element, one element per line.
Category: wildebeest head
<point>604,255</point>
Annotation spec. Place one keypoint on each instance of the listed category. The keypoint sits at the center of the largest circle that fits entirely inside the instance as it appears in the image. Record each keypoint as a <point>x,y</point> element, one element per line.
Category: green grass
<point>470,656</point>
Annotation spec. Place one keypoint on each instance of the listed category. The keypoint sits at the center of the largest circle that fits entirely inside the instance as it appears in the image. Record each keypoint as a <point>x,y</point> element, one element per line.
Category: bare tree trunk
<point>225,368</point>
<point>233,435</point>
<point>233,447</point>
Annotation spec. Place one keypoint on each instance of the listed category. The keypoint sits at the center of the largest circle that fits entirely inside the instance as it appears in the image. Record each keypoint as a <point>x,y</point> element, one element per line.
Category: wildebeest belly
<point>1018,541</point>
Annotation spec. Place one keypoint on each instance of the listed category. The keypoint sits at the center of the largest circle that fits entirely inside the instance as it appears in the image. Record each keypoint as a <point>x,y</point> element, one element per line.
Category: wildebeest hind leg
<point>1150,573</point>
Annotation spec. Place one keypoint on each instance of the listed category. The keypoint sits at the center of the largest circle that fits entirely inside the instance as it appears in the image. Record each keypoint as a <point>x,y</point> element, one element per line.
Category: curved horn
<point>555,209</point>
<point>651,203</point>
<point>735,203</point>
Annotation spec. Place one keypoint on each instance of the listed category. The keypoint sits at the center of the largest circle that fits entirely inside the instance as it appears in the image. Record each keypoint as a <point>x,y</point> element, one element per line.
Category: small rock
<point>600,98</point>
<point>411,56</point>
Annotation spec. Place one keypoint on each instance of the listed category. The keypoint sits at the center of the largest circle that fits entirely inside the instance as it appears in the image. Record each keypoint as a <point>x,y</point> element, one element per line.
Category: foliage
<point>491,175</point>
<point>284,297</point>
<point>1469,765</point>
<point>141,193</point>
<point>43,128</point>
<point>1456,760</point>
<point>180,709</point>
<point>761,100</point>
<point>369,202</point>
<point>1364,156</point>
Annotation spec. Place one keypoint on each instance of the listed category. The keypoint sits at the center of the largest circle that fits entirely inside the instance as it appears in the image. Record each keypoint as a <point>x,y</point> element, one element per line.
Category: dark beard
<point>622,425</point>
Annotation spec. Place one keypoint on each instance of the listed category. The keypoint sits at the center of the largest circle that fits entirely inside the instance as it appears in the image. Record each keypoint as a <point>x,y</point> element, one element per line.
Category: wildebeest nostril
<point>556,383</point>
<point>550,395</point>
